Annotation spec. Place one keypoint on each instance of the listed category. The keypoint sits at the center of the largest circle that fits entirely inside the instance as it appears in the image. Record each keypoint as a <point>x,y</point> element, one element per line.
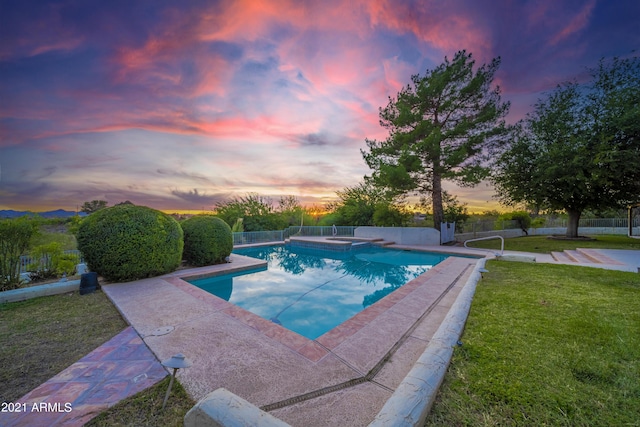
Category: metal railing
<point>250,237</point>
<point>487,238</point>
<point>340,230</point>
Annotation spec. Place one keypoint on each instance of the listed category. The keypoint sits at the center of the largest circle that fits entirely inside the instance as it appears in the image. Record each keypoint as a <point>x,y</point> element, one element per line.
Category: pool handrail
<point>487,238</point>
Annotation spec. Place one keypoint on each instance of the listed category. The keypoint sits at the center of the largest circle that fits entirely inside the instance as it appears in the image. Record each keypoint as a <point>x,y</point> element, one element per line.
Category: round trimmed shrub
<point>127,242</point>
<point>207,240</point>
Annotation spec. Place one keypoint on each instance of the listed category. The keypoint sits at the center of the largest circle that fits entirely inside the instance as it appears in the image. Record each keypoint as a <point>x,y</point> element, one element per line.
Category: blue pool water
<point>312,291</point>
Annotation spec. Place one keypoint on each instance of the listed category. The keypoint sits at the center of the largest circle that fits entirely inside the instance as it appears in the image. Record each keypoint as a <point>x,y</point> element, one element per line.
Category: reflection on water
<point>312,291</point>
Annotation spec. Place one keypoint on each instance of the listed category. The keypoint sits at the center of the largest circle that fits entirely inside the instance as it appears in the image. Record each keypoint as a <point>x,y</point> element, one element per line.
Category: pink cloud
<point>445,27</point>
<point>579,22</point>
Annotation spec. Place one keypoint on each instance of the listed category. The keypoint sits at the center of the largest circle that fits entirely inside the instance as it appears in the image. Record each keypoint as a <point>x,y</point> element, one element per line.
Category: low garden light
<point>176,362</point>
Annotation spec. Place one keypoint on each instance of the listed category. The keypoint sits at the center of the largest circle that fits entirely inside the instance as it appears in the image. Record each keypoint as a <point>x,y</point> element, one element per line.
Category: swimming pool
<point>311,291</point>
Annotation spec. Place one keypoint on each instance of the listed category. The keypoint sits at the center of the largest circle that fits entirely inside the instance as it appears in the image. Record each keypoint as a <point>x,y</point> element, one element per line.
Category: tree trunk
<point>572,225</point>
<point>436,198</point>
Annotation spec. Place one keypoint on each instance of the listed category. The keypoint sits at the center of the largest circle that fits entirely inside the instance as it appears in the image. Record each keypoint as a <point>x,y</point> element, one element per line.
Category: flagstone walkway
<point>121,367</point>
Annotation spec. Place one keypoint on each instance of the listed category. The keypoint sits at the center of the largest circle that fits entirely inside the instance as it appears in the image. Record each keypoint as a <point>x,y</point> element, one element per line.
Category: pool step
<point>598,257</point>
<point>561,257</point>
<point>570,256</point>
<point>383,243</point>
<point>578,257</point>
<point>582,256</point>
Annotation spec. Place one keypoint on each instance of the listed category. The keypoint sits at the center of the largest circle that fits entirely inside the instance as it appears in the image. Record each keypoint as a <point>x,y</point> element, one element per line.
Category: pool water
<point>312,291</point>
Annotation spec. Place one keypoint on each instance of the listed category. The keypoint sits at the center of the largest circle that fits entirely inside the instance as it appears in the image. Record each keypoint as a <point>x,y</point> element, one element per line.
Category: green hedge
<point>207,240</point>
<point>128,242</point>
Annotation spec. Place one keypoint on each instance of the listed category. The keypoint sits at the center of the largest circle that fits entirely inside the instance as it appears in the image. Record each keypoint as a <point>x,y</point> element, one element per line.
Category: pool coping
<point>296,366</point>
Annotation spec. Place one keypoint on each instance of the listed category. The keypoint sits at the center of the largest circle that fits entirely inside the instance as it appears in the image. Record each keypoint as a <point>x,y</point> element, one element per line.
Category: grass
<point>145,408</point>
<point>49,234</point>
<point>43,336</point>
<point>542,244</point>
<point>551,345</point>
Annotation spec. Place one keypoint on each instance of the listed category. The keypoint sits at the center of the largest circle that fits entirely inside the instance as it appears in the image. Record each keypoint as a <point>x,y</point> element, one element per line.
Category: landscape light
<point>176,362</point>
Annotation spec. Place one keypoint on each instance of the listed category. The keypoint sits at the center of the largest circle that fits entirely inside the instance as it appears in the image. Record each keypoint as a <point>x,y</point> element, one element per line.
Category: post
<point>166,396</point>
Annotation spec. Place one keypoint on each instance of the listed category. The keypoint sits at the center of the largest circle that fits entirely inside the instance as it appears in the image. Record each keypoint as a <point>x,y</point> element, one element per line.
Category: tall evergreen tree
<point>443,126</point>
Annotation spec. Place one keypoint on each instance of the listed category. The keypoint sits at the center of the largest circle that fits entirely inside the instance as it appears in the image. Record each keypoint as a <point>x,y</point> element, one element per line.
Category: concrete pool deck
<point>342,378</point>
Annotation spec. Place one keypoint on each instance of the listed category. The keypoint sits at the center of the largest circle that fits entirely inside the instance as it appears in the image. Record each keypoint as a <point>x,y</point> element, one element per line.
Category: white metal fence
<point>507,229</point>
<point>594,222</point>
<point>339,230</point>
<point>26,260</point>
<point>249,237</point>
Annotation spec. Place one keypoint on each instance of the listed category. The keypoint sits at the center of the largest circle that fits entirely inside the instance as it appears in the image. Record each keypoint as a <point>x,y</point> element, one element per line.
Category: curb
<point>410,404</point>
<point>23,294</point>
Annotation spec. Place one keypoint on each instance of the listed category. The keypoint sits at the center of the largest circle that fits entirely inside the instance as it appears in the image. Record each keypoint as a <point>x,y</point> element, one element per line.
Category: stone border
<point>48,289</point>
<point>222,408</point>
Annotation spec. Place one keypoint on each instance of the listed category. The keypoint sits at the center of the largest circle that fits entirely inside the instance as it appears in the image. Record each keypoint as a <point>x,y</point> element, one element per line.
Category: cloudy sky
<point>178,105</point>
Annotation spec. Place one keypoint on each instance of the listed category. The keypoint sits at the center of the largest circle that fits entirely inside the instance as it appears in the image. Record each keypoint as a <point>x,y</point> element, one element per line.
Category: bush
<point>522,218</point>
<point>128,242</point>
<point>50,261</point>
<point>15,235</point>
<point>207,240</point>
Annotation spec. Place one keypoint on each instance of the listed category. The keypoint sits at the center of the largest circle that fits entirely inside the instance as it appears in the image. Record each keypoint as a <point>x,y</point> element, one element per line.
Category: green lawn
<point>552,345</point>
<point>542,244</point>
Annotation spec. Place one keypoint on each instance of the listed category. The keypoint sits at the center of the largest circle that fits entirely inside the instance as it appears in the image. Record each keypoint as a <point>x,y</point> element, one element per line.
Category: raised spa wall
<point>401,235</point>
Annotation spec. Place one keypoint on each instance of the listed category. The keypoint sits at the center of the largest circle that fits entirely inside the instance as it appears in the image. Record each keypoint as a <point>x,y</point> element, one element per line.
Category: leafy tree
<point>357,205</point>
<point>453,211</point>
<point>442,127</point>
<point>257,212</point>
<point>388,215</point>
<point>580,147</point>
<point>522,218</point>
<point>291,212</point>
<point>93,206</point>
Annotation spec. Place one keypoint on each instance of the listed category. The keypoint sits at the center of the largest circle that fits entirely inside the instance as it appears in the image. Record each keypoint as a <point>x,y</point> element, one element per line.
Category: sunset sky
<point>179,105</point>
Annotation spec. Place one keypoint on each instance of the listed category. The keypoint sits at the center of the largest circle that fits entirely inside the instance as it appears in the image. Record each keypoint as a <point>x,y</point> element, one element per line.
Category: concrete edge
<point>222,408</point>
<point>410,404</point>
<point>48,289</point>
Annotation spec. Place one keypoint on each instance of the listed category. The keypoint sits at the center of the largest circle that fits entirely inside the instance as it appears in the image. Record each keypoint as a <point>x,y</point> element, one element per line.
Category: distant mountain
<point>60,213</point>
